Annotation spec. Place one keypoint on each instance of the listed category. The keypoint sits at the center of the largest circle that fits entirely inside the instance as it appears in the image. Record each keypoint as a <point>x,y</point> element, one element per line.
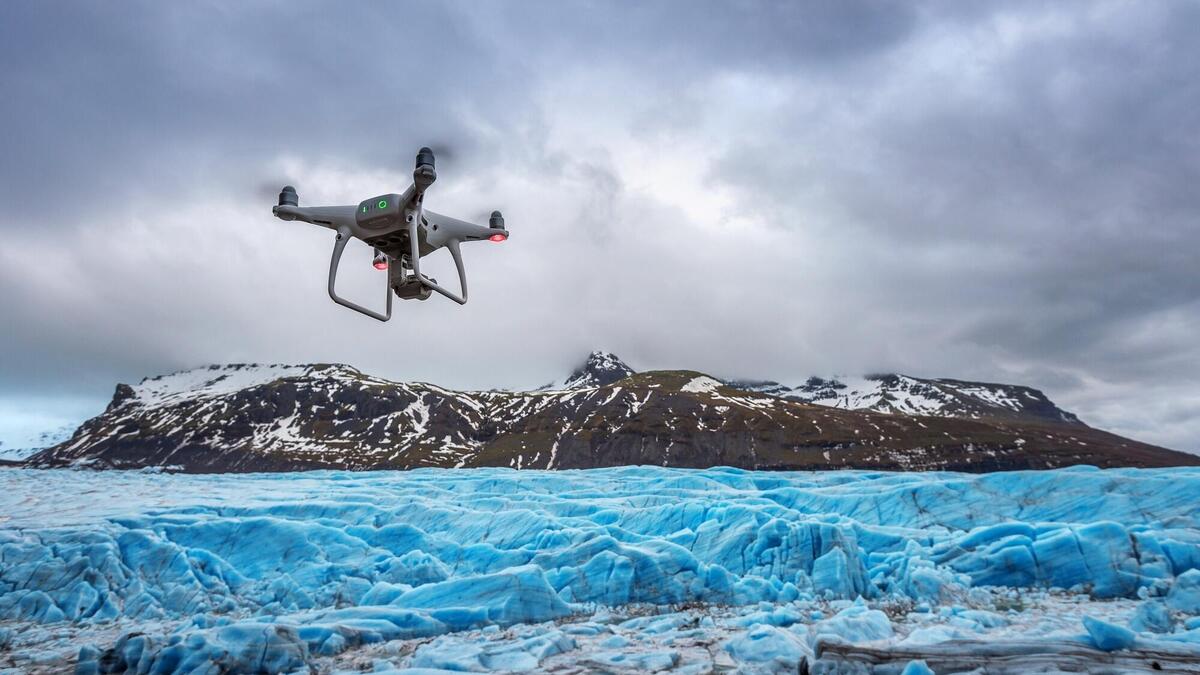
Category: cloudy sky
<point>1005,192</point>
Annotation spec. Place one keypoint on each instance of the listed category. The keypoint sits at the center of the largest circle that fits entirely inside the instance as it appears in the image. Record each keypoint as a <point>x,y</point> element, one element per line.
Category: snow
<point>994,395</point>
<point>902,394</point>
<point>211,382</point>
<point>630,569</point>
<point>701,385</point>
<point>27,426</point>
<point>18,445</point>
<point>871,393</point>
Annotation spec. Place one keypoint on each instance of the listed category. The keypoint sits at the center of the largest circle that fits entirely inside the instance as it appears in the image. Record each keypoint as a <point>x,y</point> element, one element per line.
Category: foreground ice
<point>633,569</point>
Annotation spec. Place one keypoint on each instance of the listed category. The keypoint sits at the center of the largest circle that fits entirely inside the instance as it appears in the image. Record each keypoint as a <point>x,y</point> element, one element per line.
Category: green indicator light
<point>364,209</point>
<point>383,203</point>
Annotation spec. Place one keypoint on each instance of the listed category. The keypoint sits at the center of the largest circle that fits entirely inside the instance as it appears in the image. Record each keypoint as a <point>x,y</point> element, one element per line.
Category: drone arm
<point>333,217</point>
<point>444,228</point>
<point>339,245</point>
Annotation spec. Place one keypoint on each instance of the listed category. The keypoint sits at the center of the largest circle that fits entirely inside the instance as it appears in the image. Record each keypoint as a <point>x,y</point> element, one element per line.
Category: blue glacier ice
<point>275,571</point>
<point>1108,636</point>
<point>524,653</point>
<point>917,667</point>
<point>1153,616</point>
<point>1184,595</point>
<point>763,644</point>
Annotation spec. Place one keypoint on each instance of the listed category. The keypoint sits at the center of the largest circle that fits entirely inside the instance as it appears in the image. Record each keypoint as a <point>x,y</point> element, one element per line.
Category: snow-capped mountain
<point>599,369</point>
<point>248,417</point>
<point>886,393</point>
<point>26,446</point>
<point>905,395</point>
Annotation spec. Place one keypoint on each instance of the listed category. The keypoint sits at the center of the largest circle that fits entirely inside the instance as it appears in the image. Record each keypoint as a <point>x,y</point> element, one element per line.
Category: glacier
<point>632,569</point>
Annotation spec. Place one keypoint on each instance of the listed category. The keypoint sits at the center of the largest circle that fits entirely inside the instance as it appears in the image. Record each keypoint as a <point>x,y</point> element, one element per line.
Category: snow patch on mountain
<point>883,393</point>
<point>15,448</point>
<point>906,395</point>
<point>886,393</point>
<point>210,382</point>
<point>701,385</point>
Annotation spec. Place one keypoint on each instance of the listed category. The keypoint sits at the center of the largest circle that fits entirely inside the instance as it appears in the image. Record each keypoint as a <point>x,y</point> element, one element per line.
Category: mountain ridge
<point>251,417</point>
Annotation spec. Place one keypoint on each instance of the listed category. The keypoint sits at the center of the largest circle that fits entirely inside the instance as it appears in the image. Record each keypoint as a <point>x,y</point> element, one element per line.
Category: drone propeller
<point>288,196</point>
<point>425,156</point>
<point>447,150</point>
<point>267,189</point>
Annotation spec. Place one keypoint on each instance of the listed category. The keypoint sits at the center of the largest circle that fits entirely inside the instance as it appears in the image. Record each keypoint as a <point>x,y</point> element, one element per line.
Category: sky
<point>999,191</point>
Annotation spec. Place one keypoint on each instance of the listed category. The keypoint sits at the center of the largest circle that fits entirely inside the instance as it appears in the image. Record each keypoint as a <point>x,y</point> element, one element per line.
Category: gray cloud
<point>755,189</point>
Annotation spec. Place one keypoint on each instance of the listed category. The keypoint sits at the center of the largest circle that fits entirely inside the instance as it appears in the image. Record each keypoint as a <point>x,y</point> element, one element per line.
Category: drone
<point>400,231</point>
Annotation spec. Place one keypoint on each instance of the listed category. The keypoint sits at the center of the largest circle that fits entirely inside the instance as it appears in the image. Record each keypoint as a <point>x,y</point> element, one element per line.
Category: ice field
<point>635,569</point>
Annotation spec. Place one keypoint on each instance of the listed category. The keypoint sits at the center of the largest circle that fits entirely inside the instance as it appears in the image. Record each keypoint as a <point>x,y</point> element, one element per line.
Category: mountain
<point>904,395</point>
<point>248,417</point>
<point>27,445</point>
<point>599,369</point>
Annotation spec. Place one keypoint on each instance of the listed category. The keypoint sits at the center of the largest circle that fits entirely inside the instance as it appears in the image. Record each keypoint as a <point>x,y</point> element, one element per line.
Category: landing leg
<point>339,245</point>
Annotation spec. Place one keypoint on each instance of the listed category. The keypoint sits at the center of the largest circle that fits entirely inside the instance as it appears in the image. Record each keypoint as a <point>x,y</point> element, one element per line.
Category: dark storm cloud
<point>1001,191</point>
<point>1068,174</point>
<point>108,97</point>
<point>102,98</point>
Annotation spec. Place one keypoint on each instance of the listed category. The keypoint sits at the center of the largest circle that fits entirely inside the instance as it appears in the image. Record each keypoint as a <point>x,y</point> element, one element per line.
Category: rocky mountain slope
<point>277,418</point>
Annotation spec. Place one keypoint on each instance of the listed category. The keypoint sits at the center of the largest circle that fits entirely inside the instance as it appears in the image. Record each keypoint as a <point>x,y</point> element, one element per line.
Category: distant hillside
<point>277,418</point>
<point>28,445</point>
<point>904,395</point>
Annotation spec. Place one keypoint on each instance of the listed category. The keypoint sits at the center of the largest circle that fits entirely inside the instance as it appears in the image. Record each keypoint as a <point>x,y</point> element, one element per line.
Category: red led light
<point>498,237</point>
<point>380,264</point>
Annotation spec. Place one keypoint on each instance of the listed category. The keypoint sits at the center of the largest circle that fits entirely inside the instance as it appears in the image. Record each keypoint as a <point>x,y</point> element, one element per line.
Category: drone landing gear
<point>339,245</point>
<point>427,282</point>
<point>404,276</point>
